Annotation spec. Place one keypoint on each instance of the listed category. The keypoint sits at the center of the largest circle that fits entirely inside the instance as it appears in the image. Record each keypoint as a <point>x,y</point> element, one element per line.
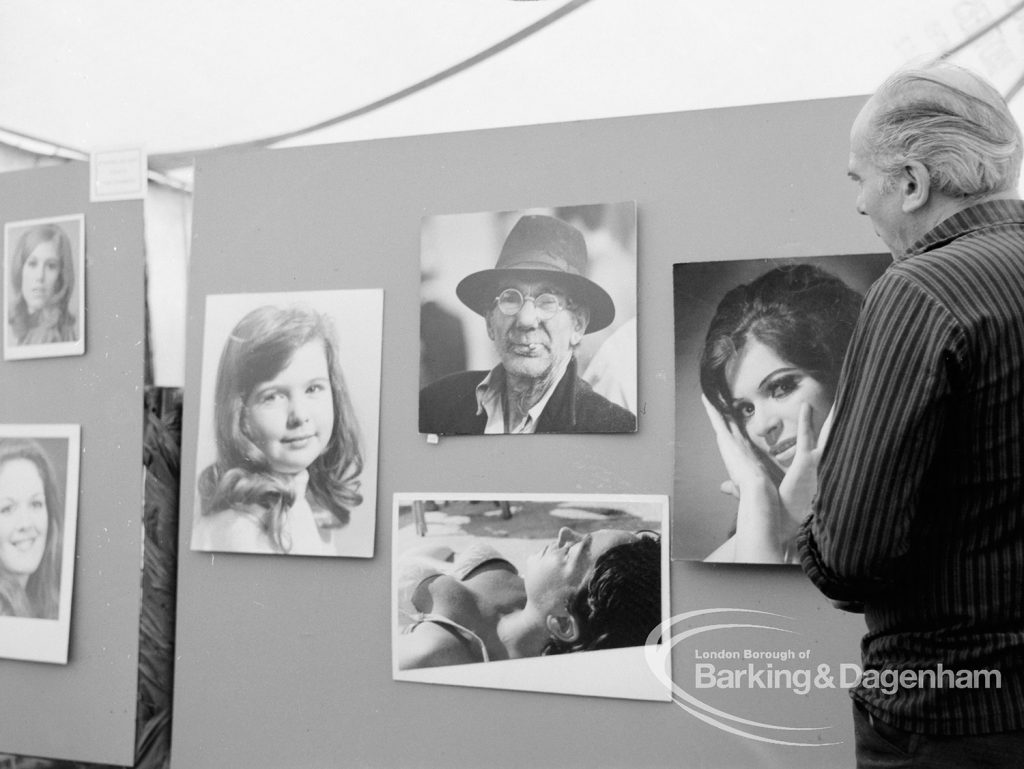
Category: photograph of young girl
<point>44,279</point>
<point>759,348</point>
<point>38,516</point>
<point>288,423</point>
<point>556,593</point>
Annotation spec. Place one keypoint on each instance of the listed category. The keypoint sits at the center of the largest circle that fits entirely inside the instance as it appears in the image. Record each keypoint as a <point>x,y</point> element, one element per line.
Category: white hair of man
<point>951,121</point>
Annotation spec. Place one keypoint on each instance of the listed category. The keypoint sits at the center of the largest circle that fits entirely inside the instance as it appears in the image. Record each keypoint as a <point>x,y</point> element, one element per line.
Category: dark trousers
<point>880,746</point>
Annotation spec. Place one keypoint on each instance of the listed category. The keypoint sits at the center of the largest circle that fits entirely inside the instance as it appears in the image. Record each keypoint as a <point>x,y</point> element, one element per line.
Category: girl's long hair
<point>261,345</point>
<point>41,595</point>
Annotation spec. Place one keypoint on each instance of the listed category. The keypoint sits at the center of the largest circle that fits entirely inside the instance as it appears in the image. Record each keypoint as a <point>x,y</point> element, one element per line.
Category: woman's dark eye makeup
<point>783,385</point>
<point>775,387</point>
<point>743,410</point>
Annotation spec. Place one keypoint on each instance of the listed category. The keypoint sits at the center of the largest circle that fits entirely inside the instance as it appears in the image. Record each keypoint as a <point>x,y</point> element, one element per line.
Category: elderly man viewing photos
<point>537,304</point>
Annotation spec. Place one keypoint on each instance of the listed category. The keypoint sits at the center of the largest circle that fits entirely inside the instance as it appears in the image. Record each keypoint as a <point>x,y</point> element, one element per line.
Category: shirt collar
<point>976,217</point>
<point>488,392</point>
<point>489,399</point>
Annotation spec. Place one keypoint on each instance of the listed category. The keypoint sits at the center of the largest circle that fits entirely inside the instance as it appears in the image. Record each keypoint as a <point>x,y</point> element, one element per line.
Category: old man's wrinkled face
<point>533,329</point>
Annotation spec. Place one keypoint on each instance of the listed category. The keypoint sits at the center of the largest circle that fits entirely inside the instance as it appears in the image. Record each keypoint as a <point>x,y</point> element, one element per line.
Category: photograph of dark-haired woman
<point>759,348</point>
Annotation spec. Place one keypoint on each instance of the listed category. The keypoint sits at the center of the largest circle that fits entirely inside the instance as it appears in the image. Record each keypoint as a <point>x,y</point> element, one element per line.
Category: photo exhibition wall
<point>364,318</point>
<point>71,418</point>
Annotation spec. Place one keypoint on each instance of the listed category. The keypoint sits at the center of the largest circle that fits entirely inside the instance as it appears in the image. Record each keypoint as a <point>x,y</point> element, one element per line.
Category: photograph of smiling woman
<point>39,470</point>
<point>759,354</point>
<point>31,525</point>
<point>44,276</point>
<point>290,452</point>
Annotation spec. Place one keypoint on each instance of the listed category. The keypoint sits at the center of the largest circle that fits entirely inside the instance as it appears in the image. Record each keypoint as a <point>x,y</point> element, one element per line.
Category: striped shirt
<point>920,509</point>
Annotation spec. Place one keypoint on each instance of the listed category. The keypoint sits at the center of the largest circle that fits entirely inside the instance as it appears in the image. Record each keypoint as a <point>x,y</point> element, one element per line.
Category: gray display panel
<point>85,710</point>
<point>287,663</point>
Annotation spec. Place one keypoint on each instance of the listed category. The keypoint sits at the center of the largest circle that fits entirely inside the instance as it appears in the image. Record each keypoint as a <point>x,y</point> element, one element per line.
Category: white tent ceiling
<point>173,76</point>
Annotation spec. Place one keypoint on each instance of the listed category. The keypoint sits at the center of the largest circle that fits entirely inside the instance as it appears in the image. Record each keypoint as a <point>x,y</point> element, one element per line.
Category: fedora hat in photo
<point>541,248</point>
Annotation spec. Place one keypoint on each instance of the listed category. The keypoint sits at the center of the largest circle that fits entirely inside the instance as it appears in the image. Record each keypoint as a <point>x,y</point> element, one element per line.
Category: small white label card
<point>117,175</point>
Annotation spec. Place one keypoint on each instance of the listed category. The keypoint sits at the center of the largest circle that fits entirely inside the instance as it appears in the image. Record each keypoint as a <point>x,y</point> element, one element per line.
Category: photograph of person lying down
<point>555,593</point>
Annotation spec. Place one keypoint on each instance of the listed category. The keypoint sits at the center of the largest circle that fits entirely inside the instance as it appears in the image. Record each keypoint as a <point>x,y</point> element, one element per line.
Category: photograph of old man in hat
<point>528,321</point>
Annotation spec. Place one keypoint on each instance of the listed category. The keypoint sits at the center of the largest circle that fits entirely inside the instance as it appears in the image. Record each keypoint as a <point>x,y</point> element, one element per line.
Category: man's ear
<point>564,627</point>
<point>490,329</point>
<point>915,186</point>
<point>581,319</point>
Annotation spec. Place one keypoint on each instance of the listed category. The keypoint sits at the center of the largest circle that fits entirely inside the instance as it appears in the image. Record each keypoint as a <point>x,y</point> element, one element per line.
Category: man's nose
<point>527,315</point>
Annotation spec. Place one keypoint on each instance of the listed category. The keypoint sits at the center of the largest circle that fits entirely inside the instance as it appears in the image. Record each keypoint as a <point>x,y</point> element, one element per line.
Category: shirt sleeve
<point>893,397</point>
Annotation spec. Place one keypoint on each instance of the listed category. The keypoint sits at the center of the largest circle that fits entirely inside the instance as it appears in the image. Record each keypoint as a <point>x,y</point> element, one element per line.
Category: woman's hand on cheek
<point>758,523</point>
<point>800,483</point>
<point>741,462</point>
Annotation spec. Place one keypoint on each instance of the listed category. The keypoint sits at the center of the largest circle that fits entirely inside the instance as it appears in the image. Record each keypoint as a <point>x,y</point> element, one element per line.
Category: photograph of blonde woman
<point>44,269</point>
<point>759,350</point>
<point>38,495</point>
<point>289,424</point>
<point>518,578</point>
